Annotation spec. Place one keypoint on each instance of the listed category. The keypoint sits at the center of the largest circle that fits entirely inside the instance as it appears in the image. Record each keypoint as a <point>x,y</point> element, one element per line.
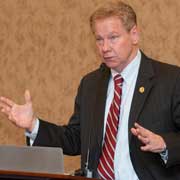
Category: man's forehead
<point>112,24</point>
<point>108,19</point>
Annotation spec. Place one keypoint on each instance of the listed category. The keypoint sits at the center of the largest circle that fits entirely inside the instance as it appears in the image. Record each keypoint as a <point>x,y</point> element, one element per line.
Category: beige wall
<point>46,46</point>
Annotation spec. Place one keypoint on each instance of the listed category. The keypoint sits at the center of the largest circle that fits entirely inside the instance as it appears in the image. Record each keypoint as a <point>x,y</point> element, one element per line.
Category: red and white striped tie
<point>106,161</point>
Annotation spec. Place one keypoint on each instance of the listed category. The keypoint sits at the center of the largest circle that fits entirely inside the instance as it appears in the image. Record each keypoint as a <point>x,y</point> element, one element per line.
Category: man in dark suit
<point>147,138</point>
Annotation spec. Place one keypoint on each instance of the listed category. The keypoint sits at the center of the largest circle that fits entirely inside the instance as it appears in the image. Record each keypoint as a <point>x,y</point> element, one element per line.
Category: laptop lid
<point>32,159</point>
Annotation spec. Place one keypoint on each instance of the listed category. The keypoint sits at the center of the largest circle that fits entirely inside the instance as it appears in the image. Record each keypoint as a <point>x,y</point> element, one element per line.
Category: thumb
<point>27,96</point>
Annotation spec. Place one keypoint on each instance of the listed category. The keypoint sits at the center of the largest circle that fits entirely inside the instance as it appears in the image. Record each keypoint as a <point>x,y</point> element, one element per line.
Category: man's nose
<point>106,46</point>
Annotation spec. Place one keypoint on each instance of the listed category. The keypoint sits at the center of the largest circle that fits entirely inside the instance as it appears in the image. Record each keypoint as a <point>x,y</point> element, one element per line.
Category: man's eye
<point>114,37</point>
<point>98,39</point>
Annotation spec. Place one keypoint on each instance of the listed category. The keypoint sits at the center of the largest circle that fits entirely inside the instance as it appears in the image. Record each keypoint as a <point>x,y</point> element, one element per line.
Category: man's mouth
<point>108,58</point>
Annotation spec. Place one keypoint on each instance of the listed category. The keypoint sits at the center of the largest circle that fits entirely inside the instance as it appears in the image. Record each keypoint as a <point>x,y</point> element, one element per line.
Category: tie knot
<point>118,80</point>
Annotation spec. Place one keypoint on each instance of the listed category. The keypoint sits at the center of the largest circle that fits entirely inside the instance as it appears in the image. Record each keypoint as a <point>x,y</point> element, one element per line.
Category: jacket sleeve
<point>172,139</point>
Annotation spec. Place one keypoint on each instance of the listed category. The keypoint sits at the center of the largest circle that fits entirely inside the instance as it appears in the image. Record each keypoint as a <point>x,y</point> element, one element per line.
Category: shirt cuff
<point>32,135</point>
<point>164,155</point>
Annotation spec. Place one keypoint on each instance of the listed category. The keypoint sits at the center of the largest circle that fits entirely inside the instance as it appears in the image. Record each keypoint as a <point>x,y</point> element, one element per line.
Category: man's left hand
<point>152,142</point>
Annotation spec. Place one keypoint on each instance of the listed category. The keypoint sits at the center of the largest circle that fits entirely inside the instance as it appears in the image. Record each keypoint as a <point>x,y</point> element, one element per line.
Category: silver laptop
<point>32,159</point>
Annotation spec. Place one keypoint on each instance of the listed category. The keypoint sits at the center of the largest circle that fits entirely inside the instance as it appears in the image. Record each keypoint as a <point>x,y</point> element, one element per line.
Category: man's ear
<point>135,34</point>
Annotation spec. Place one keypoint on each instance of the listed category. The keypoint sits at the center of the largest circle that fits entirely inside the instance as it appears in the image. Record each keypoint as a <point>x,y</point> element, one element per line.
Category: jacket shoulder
<point>162,68</point>
<point>99,72</point>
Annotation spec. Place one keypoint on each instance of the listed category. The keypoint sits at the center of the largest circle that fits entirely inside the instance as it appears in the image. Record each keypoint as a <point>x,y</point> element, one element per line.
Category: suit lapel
<point>99,108</point>
<point>98,115</point>
<point>143,87</point>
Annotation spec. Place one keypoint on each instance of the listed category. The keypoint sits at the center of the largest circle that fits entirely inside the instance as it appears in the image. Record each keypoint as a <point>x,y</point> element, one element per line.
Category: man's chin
<point>114,67</point>
<point>111,65</point>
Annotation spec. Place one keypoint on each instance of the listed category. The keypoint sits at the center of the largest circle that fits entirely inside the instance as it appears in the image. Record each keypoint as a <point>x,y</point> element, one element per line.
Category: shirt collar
<point>131,69</point>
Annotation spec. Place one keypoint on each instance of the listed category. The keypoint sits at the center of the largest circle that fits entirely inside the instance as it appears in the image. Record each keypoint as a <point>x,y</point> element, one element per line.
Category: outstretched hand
<point>152,142</point>
<point>20,115</point>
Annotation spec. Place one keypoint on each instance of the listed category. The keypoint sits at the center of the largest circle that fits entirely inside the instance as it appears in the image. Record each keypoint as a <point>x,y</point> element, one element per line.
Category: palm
<point>21,115</point>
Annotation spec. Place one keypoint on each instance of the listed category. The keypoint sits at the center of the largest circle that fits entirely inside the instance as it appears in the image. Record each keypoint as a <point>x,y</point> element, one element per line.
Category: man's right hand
<point>20,115</point>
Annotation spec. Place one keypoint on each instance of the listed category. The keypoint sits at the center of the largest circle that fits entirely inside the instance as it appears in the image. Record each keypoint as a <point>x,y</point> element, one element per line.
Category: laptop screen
<point>32,159</point>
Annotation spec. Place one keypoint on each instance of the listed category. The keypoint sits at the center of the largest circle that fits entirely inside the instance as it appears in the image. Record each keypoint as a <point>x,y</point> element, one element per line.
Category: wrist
<point>164,147</point>
<point>30,129</point>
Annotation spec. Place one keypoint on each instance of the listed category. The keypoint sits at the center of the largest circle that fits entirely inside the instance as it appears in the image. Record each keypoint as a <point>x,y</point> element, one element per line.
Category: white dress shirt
<point>122,162</point>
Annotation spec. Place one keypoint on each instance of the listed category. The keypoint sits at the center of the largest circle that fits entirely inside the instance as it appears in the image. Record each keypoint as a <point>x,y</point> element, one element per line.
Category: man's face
<point>117,46</point>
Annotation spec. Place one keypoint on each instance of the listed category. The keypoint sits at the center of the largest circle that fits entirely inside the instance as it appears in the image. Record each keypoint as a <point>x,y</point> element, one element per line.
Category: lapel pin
<point>141,89</point>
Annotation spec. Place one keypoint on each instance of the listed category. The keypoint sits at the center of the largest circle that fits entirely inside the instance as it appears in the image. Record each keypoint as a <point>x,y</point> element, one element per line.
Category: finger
<point>6,111</point>
<point>146,148</point>
<point>142,131</point>
<point>27,96</point>
<point>7,101</point>
<point>3,105</point>
<point>10,117</point>
<point>134,131</point>
<point>138,126</point>
<point>151,148</point>
<point>144,140</point>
